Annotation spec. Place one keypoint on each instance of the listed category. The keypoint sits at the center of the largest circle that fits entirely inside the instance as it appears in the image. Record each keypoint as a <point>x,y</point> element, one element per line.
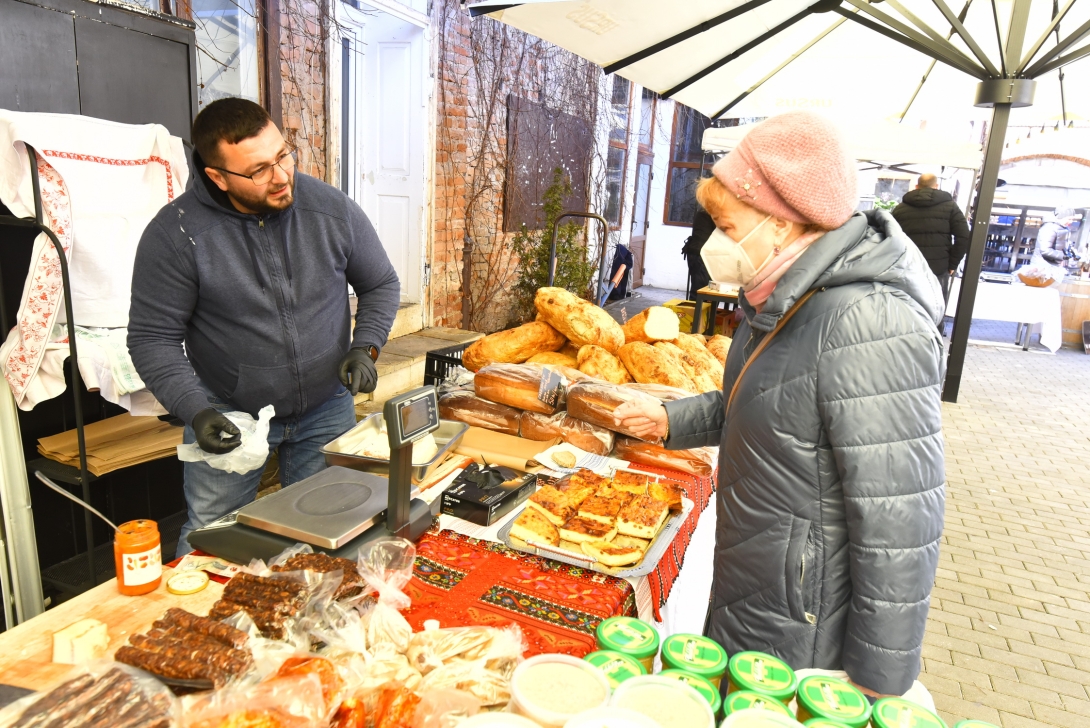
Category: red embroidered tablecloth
<point>465,581</point>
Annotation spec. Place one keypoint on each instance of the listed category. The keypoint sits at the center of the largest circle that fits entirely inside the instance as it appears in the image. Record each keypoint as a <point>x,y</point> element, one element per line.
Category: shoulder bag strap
<point>765,341</point>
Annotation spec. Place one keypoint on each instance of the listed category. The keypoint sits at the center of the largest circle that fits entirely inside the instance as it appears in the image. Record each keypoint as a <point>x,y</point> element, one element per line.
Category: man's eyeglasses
<point>264,175</point>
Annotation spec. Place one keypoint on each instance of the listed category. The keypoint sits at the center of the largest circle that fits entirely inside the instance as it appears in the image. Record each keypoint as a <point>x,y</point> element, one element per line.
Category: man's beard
<point>262,205</point>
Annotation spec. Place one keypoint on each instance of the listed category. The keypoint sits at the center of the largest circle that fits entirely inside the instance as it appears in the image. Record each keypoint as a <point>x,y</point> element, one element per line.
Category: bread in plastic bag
<point>465,406</point>
<point>295,701</point>
<point>429,649</point>
<point>332,683</point>
<point>98,693</point>
<point>250,455</point>
<point>515,385</point>
<point>444,709</point>
<point>697,461</point>
<point>594,402</point>
<point>484,670</point>
<point>584,435</point>
<point>661,392</point>
<point>392,705</point>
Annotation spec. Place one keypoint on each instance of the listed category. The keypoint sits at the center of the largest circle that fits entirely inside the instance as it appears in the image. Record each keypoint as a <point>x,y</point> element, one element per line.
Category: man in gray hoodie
<point>250,270</point>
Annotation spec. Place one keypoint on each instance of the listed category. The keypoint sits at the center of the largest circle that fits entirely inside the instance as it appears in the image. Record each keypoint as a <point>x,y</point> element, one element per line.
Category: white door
<point>383,135</point>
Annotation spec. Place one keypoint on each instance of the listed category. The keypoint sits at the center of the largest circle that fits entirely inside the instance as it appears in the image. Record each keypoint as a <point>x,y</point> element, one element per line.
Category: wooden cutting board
<point>26,651</point>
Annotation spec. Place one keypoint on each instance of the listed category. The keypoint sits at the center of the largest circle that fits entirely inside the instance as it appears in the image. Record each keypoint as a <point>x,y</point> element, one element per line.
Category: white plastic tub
<point>611,717</point>
<point>553,689</point>
<point>669,702</point>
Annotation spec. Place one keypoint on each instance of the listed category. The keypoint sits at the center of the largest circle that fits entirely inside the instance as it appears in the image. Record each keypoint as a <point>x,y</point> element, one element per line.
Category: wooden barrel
<point>1074,309</point>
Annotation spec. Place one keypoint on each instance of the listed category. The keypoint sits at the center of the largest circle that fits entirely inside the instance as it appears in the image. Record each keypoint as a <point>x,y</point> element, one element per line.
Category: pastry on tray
<point>610,554</point>
<point>533,526</point>
<point>585,529</point>
<point>642,517</point>
<point>552,504</point>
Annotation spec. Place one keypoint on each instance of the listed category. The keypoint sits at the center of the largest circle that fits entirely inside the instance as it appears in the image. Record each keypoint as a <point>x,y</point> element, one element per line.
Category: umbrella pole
<point>989,174</point>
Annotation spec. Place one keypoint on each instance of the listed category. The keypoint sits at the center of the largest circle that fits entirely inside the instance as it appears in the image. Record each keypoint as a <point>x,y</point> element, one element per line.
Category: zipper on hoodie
<point>283,326</point>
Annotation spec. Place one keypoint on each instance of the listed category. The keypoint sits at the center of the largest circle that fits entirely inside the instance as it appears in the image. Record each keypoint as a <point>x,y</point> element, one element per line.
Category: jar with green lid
<point>616,666</point>
<point>701,685</point>
<point>836,700</point>
<point>824,723</point>
<point>762,674</point>
<point>975,724</point>
<point>745,699</point>
<point>631,637</point>
<point>901,713</point>
<point>698,655</point>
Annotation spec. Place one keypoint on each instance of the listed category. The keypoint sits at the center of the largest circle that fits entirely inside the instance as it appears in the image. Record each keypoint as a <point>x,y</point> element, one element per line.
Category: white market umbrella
<point>883,143</point>
<point>844,58</point>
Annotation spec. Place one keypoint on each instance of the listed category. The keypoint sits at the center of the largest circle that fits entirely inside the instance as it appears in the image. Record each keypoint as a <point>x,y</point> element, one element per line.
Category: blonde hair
<point>711,193</point>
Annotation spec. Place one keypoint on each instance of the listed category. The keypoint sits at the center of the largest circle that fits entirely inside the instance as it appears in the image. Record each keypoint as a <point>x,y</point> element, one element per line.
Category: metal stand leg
<point>698,308</point>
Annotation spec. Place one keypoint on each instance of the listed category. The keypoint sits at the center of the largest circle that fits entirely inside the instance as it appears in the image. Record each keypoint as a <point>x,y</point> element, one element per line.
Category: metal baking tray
<point>651,559</point>
<point>447,437</point>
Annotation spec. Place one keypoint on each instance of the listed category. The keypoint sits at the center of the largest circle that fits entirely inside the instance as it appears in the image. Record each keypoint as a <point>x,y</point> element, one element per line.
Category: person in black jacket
<point>930,218</point>
<point>703,226</point>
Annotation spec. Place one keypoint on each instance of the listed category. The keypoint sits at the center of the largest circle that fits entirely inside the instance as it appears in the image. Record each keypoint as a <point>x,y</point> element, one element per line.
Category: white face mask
<point>728,262</point>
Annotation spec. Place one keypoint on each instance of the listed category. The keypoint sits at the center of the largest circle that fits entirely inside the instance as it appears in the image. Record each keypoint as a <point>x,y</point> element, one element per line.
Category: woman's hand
<point>646,420</point>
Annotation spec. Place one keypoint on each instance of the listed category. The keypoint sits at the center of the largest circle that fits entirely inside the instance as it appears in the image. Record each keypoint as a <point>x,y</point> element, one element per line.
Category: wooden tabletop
<point>709,293</point>
<point>26,651</point>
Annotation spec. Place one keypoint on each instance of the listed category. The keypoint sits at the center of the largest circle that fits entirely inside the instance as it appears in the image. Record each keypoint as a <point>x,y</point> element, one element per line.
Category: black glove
<point>357,371</point>
<point>208,424</point>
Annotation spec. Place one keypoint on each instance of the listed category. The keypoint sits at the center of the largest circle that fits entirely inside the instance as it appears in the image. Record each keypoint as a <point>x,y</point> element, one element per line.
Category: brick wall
<point>480,62</point>
<point>303,29</point>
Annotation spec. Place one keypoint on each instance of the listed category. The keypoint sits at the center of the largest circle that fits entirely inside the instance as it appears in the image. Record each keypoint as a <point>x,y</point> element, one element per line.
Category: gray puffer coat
<point>831,471</point>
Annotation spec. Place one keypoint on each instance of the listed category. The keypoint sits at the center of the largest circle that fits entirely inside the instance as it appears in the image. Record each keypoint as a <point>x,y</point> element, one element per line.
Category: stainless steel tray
<point>447,437</point>
<point>651,559</point>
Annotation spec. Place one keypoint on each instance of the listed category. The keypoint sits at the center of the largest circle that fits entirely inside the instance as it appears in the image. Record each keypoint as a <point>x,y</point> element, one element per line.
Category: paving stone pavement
<point>1008,636</point>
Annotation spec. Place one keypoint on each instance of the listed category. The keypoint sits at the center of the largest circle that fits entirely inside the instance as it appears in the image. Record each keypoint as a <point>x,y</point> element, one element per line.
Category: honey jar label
<point>142,567</point>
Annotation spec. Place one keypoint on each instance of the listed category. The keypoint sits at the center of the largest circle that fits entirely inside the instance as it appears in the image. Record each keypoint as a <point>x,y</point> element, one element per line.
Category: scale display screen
<point>416,416</point>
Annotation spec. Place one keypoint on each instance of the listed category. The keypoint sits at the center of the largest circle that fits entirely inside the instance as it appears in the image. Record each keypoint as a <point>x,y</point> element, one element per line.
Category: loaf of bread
<point>594,361</point>
<point>583,435</point>
<point>570,373</point>
<point>515,385</point>
<point>698,461</point>
<point>512,346</point>
<point>707,365</point>
<point>718,346</point>
<point>571,350</point>
<point>554,357</point>
<point>660,391</point>
<point>594,402</point>
<point>652,324</point>
<point>699,372</point>
<point>582,322</point>
<point>465,406</point>
<point>650,365</point>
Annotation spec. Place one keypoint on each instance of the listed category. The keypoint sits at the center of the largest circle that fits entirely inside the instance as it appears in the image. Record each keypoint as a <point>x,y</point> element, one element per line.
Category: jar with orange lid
<point>138,557</point>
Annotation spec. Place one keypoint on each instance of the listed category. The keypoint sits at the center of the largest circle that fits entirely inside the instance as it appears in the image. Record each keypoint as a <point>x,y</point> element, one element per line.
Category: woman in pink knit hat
<point>831,472</point>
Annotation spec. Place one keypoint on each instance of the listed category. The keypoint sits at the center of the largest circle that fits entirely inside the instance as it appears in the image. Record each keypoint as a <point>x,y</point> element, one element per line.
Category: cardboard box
<point>485,500</point>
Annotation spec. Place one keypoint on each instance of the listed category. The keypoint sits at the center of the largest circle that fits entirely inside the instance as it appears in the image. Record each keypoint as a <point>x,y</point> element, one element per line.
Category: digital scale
<point>339,509</point>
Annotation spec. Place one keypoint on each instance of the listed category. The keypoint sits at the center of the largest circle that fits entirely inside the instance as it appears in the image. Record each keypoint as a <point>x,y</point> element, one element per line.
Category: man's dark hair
<point>229,120</point>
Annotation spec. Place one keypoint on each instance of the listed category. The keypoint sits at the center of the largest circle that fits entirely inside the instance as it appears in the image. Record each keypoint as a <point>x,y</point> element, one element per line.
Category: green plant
<point>885,202</point>
<point>574,271</point>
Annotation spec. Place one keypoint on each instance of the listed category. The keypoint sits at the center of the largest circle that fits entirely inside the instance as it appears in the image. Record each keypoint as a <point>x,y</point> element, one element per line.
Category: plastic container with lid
<point>552,689</point>
<point>757,718</point>
<point>669,702</point>
<point>497,720</point>
<point>824,723</point>
<point>762,674</point>
<point>901,713</point>
<point>832,699</point>
<point>610,717</point>
<point>702,686</point>
<point>138,557</point>
<point>747,700</point>
<point>631,637</point>
<point>698,655</point>
<point>975,724</point>
<point>616,666</point>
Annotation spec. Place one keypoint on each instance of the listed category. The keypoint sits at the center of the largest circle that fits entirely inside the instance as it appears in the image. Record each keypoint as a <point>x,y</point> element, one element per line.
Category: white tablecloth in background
<point>1039,307</point>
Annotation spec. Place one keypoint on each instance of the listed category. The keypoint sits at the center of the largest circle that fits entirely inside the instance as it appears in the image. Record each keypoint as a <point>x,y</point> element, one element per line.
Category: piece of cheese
<point>80,642</point>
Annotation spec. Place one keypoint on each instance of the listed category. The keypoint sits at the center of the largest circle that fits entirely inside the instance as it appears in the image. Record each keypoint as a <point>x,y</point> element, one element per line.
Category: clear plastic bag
<point>392,705</point>
<point>249,456</point>
<point>295,701</point>
<point>516,385</point>
<point>583,435</point>
<point>698,461</point>
<point>444,709</point>
<point>594,402</point>
<point>483,670</point>
<point>99,691</point>
<point>386,565</point>
<point>465,406</point>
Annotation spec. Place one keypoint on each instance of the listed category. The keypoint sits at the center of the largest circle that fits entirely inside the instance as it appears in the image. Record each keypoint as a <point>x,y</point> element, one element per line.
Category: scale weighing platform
<point>339,509</point>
